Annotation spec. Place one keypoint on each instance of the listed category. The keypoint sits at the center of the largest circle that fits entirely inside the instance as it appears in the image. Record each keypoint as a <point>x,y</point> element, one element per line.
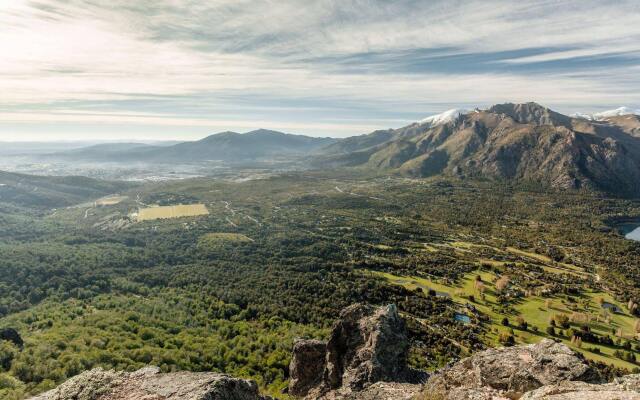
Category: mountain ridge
<point>260,144</point>
<point>519,142</point>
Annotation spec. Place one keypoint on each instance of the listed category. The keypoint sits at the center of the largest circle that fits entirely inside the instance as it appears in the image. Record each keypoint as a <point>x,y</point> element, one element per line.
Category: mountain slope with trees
<point>521,142</point>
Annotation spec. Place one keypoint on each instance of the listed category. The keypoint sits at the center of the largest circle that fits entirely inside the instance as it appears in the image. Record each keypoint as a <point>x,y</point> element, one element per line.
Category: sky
<point>183,69</point>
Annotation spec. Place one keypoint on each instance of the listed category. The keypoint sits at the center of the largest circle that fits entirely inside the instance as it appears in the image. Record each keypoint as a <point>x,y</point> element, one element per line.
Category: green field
<point>537,312</point>
<point>166,212</point>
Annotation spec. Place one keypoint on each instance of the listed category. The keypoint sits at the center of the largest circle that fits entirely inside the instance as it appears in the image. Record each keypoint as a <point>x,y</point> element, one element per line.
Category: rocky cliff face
<point>365,358</point>
<point>367,345</point>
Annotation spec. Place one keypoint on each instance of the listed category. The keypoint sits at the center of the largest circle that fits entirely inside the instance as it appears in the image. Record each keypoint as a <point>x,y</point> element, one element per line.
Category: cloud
<point>325,66</point>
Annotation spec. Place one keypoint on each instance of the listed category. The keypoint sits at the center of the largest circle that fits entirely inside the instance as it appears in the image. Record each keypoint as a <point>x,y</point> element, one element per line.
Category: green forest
<point>470,265</point>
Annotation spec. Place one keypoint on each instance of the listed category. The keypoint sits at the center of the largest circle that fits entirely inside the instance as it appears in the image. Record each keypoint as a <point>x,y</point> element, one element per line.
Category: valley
<point>87,284</point>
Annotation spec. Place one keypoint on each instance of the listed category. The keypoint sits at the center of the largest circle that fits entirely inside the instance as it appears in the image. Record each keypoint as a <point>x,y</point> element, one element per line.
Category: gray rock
<point>89,385</point>
<point>512,371</point>
<point>307,366</point>
<point>367,345</point>
<point>386,391</point>
<point>626,388</point>
<point>149,384</point>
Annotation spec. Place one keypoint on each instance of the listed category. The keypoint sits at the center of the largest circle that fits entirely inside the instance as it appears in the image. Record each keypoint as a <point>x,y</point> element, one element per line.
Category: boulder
<point>512,371</point>
<point>149,384</point>
<point>386,391</point>
<point>367,345</point>
<point>11,335</point>
<point>625,388</point>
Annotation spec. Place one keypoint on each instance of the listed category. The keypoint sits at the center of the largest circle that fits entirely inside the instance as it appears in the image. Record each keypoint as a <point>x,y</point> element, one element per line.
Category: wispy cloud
<point>321,67</point>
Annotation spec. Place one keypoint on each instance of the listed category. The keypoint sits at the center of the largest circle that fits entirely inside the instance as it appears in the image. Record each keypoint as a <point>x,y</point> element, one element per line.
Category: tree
<point>562,320</point>
<point>576,341</point>
<point>505,321</point>
<point>479,286</point>
<point>506,339</point>
<point>522,324</point>
<point>502,283</point>
<point>8,352</point>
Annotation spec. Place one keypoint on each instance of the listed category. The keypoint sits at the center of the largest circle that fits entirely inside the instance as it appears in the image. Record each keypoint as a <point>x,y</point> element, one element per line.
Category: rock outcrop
<point>150,384</point>
<point>367,345</point>
<point>512,371</point>
<point>625,388</point>
<point>11,335</point>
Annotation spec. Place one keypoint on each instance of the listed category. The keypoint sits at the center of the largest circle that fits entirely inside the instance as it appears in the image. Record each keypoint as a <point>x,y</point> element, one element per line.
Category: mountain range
<point>522,142</point>
<point>515,142</point>
<point>231,147</point>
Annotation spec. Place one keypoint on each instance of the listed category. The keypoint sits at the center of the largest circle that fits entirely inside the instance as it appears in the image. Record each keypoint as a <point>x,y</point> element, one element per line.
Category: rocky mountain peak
<point>524,142</point>
<point>444,117</point>
<point>531,113</point>
<point>603,115</point>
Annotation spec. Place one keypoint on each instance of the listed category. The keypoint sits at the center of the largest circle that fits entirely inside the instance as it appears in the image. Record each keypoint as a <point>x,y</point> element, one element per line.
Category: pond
<point>610,307</point>
<point>465,319</point>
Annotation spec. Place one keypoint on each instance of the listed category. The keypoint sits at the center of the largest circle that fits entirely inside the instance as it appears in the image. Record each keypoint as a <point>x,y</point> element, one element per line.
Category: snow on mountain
<point>443,118</point>
<point>606,114</point>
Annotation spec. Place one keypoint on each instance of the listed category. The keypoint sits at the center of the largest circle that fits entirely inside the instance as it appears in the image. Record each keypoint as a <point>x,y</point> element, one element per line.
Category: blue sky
<point>182,69</point>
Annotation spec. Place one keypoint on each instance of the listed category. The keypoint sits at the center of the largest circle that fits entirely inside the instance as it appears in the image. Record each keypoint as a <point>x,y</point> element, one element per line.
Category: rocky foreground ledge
<point>365,358</point>
<point>149,384</point>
